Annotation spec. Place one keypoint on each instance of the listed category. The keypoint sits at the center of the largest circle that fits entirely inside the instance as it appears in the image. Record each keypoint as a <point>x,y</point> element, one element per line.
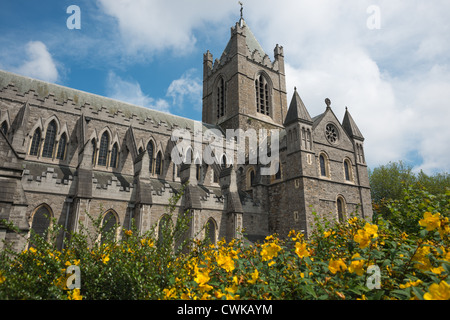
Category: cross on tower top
<point>242,9</point>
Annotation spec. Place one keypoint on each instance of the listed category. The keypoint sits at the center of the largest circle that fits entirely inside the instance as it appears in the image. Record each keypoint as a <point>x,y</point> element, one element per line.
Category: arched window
<point>34,149</point>
<point>340,209</point>
<point>308,140</point>
<point>40,223</point>
<point>151,151</point>
<point>252,177</point>
<point>4,127</point>
<point>114,155</point>
<point>94,150</point>
<point>103,152</point>
<point>323,169</point>
<point>262,95</point>
<point>278,174</point>
<point>197,172</point>
<point>49,143</point>
<point>347,170</point>
<point>109,227</point>
<point>220,102</point>
<point>61,153</point>
<point>210,231</point>
<point>223,162</point>
<point>158,163</point>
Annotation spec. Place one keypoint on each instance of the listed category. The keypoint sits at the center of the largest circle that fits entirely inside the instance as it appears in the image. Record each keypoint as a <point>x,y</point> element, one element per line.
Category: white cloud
<point>156,25</point>
<point>395,80</point>
<point>39,63</point>
<point>188,87</point>
<point>131,92</point>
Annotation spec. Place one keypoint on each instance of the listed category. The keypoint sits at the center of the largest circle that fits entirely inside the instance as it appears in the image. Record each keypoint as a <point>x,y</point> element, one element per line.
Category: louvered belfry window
<point>262,95</point>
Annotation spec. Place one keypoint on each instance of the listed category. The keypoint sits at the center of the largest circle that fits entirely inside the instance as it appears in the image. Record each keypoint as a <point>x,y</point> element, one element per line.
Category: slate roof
<point>250,39</point>
<point>80,98</point>
<point>297,110</point>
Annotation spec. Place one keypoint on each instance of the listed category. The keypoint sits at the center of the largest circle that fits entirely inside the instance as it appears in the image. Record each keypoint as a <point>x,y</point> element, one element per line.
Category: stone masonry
<point>65,152</point>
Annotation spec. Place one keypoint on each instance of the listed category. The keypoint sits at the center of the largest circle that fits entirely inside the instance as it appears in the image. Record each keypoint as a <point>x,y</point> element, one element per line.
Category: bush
<point>351,260</point>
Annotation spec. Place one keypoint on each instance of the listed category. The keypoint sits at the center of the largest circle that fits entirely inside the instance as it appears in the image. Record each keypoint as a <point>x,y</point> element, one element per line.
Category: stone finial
<point>328,102</point>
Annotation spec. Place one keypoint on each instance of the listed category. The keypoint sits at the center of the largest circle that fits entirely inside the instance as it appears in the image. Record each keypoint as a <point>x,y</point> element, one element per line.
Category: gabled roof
<point>297,111</point>
<point>350,126</point>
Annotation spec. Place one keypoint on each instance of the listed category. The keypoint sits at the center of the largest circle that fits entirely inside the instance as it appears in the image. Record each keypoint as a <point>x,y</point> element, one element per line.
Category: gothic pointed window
<point>150,150</point>
<point>323,165</point>
<point>278,174</point>
<point>262,95</point>
<point>4,127</point>
<point>252,177</point>
<point>223,165</point>
<point>40,223</point>
<point>103,151</point>
<point>220,99</point>
<point>61,153</point>
<point>109,227</point>
<point>114,154</point>
<point>340,209</point>
<point>347,170</point>
<point>34,149</point>
<point>49,143</point>
<point>94,150</point>
<point>210,231</point>
<point>158,163</point>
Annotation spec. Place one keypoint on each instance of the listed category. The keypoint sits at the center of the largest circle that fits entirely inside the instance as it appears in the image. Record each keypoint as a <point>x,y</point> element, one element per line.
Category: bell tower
<point>243,88</point>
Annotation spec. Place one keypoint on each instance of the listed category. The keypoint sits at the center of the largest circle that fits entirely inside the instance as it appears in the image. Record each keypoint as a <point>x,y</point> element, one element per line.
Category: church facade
<point>65,153</point>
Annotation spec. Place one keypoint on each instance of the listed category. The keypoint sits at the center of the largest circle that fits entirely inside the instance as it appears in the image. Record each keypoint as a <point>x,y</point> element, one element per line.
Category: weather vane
<point>242,9</point>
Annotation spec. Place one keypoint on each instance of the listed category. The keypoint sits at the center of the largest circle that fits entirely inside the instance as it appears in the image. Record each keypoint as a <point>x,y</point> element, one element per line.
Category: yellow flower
<point>371,229</point>
<point>170,293</point>
<point>439,291</point>
<point>202,278</point>
<point>75,295</point>
<point>410,284</point>
<point>301,250</point>
<point>32,250</point>
<point>255,276</point>
<point>326,234</point>
<point>430,221</point>
<point>269,251</point>
<point>421,259</point>
<point>105,258</point>
<point>225,262</point>
<point>357,265</point>
<point>336,266</point>
<point>2,278</point>
<point>271,263</point>
<point>363,238</point>
<point>128,232</point>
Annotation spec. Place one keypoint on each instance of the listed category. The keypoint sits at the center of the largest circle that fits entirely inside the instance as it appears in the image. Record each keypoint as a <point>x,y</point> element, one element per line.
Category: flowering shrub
<point>335,262</point>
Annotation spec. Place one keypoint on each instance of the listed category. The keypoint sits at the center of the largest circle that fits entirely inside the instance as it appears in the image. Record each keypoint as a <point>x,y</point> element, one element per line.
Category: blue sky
<point>387,61</point>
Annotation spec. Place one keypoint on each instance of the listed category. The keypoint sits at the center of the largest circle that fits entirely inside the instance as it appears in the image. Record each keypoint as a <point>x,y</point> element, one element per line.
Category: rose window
<point>331,133</point>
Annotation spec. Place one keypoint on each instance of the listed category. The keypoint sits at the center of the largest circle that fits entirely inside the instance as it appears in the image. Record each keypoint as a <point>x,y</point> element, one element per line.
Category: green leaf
<point>418,292</point>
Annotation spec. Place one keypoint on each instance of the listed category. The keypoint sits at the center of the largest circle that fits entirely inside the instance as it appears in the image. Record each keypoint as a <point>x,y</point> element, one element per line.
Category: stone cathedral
<point>65,152</point>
